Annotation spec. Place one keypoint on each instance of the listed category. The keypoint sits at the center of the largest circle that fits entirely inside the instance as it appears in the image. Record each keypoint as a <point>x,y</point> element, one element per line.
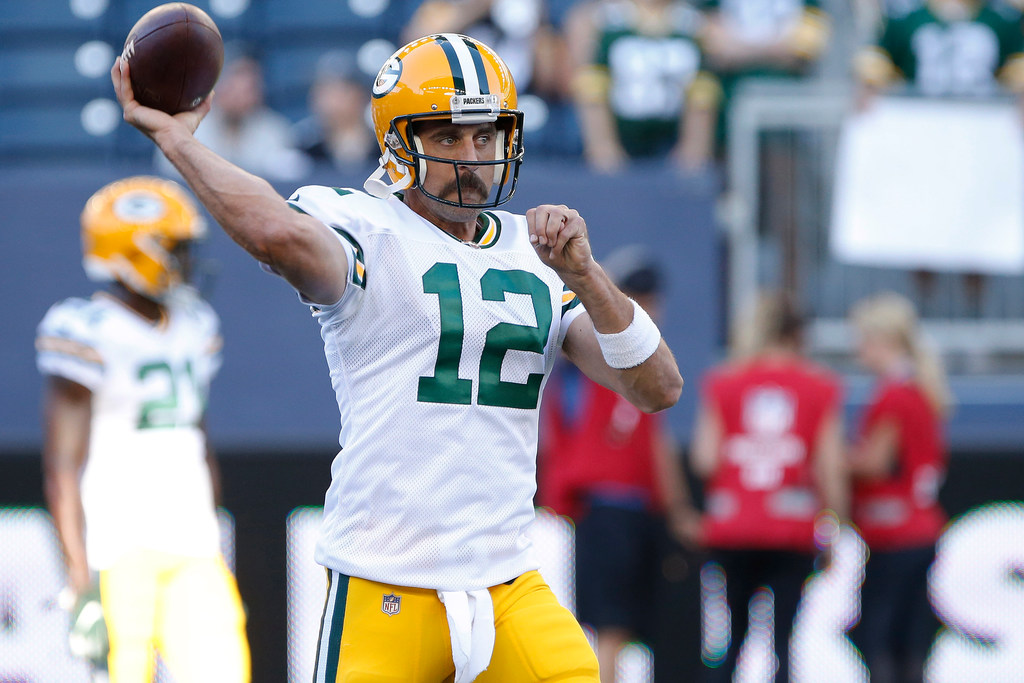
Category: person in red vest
<point>616,472</point>
<point>898,464</point>
<point>768,441</point>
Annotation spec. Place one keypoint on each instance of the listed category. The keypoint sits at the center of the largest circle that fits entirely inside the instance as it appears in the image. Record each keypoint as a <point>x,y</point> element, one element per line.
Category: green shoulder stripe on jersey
<point>342,191</point>
<point>490,230</point>
<point>359,271</point>
<point>569,300</point>
<point>296,207</point>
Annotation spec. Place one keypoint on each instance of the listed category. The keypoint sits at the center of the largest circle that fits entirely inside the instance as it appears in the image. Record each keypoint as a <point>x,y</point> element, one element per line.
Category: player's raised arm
<point>616,344</point>
<point>252,213</point>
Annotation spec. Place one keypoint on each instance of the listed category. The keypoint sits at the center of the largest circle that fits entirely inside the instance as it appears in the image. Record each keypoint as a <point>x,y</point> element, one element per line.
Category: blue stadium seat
<point>47,71</point>
<point>559,137</point>
<point>48,131</point>
<point>289,70</point>
<point>558,10</point>
<point>44,16</point>
<point>325,18</point>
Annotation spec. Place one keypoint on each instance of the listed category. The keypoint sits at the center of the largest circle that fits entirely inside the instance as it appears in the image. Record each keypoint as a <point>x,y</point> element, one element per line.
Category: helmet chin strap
<point>376,185</point>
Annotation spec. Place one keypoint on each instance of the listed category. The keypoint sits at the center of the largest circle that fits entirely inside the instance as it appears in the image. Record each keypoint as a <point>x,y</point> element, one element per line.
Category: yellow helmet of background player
<point>130,229</point>
<point>448,77</point>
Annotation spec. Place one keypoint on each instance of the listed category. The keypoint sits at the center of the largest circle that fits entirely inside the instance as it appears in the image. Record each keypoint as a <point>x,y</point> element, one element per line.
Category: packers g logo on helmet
<point>446,76</point>
<point>130,228</point>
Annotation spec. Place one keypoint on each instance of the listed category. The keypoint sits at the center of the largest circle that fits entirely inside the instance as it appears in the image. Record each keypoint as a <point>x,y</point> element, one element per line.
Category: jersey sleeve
<point>1011,50</point>
<point>338,209</point>
<point>208,328</point>
<point>67,344</point>
<point>572,308</point>
<point>831,392</point>
<point>886,406</point>
<point>809,37</point>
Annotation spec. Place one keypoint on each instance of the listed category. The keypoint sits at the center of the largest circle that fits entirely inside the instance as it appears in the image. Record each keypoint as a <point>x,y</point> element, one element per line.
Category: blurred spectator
<point>756,38</point>
<point>768,440</point>
<point>746,41</point>
<point>947,48</point>
<point>242,128</point>
<point>519,30</point>
<point>337,130</point>
<point>615,471</point>
<point>870,15</point>
<point>642,92</point>
<point>899,463</point>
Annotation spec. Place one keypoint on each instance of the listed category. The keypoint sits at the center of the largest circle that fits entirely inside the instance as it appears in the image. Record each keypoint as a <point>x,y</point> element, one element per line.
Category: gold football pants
<point>375,632</point>
<point>187,608</point>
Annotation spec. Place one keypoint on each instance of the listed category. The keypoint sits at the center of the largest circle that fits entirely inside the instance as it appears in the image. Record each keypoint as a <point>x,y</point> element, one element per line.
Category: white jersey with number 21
<point>146,483</point>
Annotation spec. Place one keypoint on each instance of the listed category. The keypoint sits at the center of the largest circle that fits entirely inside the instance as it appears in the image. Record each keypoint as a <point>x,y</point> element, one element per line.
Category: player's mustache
<point>468,181</point>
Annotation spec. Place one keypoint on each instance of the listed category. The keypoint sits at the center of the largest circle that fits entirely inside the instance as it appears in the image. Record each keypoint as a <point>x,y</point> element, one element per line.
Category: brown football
<point>175,54</point>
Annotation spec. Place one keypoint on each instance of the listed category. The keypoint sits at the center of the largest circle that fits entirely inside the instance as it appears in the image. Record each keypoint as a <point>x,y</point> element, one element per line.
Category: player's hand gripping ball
<point>174,54</point>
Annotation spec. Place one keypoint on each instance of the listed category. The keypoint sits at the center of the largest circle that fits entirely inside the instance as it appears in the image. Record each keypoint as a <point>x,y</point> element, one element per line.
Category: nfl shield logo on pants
<point>391,604</point>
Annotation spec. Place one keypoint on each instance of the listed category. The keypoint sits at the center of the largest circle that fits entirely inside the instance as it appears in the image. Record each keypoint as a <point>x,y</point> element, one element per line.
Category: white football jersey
<point>146,483</point>
<point>438,352</point>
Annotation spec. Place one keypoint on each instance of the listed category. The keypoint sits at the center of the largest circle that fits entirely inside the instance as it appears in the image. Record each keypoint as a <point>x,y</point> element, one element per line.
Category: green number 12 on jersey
<point>445,386</point>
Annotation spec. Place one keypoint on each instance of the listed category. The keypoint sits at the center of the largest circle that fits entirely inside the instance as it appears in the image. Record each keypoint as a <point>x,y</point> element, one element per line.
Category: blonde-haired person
<point>769,442</point>
<point>898,464</point>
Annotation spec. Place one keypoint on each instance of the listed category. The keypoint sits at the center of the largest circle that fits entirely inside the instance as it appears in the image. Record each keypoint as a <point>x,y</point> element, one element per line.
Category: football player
<point>128,476</point>
<point>441,318</point>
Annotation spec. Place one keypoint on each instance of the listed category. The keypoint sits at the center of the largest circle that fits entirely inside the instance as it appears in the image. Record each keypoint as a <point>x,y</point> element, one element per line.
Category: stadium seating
<point>27,21</point>
<point>331,21</point>
<point>47,72</point>
<point>49,131</point>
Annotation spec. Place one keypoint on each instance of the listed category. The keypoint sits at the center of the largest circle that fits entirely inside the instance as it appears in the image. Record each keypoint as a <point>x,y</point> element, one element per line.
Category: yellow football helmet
<point>130,229</point>
<point>451,77</point>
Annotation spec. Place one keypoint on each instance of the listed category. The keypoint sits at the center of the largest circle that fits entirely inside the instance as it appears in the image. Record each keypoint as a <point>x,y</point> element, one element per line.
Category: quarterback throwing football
<point>441,318</point>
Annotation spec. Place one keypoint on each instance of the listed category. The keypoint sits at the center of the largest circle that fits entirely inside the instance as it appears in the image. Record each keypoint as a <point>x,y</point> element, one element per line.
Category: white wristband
<point>632,346</point>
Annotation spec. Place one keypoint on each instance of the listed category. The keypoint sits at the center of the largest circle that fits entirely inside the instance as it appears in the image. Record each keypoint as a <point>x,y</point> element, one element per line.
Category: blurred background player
<point>761,44</point>
<point>769,442</point>
<point>899,464</point>
<point>128,476</point>
<point>615,471</point>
